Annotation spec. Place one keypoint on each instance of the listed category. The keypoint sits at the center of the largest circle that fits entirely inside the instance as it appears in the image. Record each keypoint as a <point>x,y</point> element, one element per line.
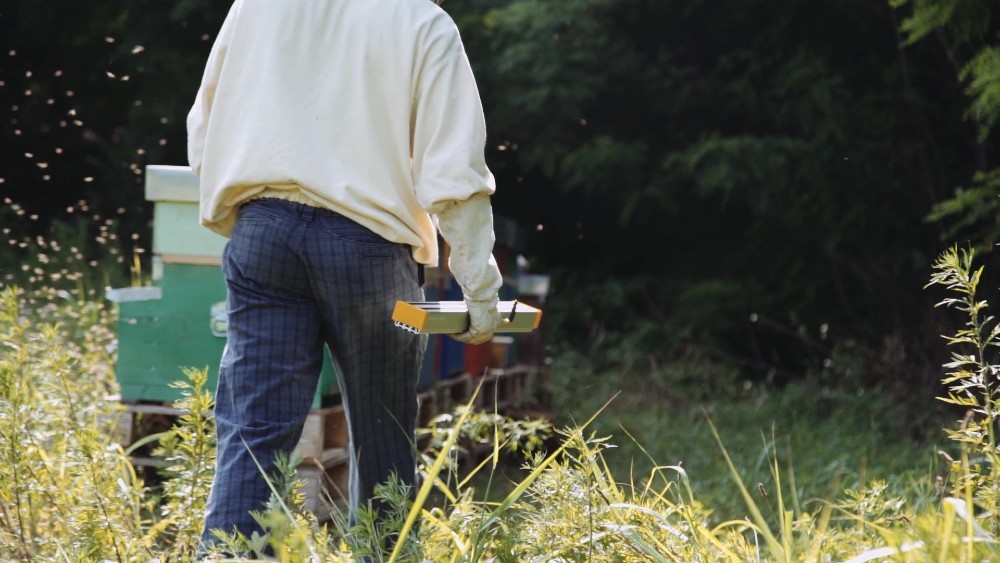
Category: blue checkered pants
<point>300,277</point>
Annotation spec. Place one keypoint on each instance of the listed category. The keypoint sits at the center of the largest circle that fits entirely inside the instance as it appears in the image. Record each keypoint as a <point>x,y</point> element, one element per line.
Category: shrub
<point>65,492</point>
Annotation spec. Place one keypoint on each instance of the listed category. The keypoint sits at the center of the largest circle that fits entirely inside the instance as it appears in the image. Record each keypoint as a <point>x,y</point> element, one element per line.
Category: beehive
<point>169,325</point>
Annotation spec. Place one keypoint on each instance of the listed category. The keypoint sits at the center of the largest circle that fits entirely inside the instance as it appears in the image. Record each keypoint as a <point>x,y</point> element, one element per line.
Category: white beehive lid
<point>171,183</point>
<point>178,236</point>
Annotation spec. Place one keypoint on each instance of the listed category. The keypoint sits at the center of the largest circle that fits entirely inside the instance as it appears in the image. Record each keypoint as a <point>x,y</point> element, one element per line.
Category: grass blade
<point>758,518</point>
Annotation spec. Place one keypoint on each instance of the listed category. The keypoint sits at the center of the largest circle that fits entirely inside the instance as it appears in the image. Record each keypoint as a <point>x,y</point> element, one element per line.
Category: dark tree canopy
<point>750,178</point>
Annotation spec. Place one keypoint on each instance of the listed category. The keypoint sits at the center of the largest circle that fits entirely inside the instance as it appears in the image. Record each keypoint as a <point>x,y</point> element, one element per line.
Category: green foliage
<point>972,384</point>
<point>783,152</point>
<point>972,208</point>
<point>376,532</point>
<point>829,432</point>
<point>686,166</point>
<point>576,511</point>
<point>188,454</point>
<point>482,428</point>
<point>965,526</point>
<point>64,494</point>
<point>290,533</point>
<point>967,21</point>
<point>983,76</point>
<point>68,494</point>
<point>968,33</point>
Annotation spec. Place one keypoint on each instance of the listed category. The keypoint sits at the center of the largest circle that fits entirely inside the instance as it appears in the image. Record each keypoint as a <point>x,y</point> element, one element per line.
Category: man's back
<point>326,133</point>
<point>329,96</point>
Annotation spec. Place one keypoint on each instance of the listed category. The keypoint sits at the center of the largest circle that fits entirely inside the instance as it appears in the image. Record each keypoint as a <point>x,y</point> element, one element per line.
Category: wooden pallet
<point>324,433</point>
<point>451,392</point>
<point>502,389</point>
<point>326,483</point>
<point>140,420</point>
<point>325,469</point>
<point>427,408</point>
<point>517,386</point>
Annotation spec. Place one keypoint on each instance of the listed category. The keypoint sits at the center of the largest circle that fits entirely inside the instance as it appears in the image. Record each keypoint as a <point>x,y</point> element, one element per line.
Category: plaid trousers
<point>300,277</point>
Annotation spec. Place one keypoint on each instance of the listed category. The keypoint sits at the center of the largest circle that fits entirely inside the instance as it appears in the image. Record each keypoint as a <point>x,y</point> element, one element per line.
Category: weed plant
<point>66,492</point>
<point>825,438</point>
<point>188,454</point>
<point>70,493</point>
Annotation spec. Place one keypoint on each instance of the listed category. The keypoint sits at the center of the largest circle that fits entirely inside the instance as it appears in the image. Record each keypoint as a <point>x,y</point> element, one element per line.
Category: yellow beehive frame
<point>452,317</point>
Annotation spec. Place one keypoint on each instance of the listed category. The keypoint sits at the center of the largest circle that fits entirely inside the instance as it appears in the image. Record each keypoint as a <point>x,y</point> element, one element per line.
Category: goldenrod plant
<point>972,383</point>
<point>68,492</point>
<point>188,454</point>
<point>964,526</point>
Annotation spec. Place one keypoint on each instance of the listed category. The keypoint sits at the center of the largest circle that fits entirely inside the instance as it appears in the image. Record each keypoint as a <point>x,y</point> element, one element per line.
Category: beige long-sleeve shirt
<point>368,108</point>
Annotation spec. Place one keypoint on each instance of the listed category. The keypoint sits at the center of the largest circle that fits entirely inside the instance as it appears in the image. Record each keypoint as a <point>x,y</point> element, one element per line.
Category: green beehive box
<point>169,326</point>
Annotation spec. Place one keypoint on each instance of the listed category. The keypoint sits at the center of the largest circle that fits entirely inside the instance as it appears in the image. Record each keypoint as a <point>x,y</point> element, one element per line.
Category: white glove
<point>468,227</point>
<point>484,318</point>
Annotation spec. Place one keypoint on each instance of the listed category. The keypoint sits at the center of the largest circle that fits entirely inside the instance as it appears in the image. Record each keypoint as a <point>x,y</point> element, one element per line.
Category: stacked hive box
<point>172,324</point>
<point>179,321</point>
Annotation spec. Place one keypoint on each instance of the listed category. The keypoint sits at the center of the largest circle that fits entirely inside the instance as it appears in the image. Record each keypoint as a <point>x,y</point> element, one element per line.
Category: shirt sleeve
<point>468,227</point>
<point>450,174</point>
<point>448,127</point>
<point>200,113</point>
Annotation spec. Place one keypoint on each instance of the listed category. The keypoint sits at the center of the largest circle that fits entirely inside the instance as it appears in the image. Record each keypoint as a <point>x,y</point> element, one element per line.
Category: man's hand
<point>484,318</point>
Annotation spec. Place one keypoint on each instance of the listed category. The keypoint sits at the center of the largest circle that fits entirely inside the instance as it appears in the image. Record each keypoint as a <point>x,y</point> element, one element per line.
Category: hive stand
<point>173,323</point>
<point>323,447</point>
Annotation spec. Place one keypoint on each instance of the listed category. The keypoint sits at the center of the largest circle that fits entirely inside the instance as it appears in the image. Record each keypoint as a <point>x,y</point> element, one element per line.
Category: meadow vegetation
<point>797,172</point>
<point>646,465</point>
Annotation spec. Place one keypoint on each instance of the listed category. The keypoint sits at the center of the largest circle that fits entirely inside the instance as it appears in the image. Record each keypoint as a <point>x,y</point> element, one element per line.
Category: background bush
<point>747,178</point>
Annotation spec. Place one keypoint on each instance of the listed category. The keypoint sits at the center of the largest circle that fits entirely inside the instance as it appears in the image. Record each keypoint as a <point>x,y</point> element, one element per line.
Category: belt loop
<point>420,275</point>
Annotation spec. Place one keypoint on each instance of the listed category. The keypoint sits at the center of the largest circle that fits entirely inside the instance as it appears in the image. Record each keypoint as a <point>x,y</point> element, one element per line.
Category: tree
<point>969,36</point>
<point>680,166</point>
<point>693,165</point>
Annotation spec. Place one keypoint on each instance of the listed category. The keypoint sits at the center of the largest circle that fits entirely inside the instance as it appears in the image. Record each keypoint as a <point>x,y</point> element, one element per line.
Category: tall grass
<point>69,493</point>
<point>66,492</point>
